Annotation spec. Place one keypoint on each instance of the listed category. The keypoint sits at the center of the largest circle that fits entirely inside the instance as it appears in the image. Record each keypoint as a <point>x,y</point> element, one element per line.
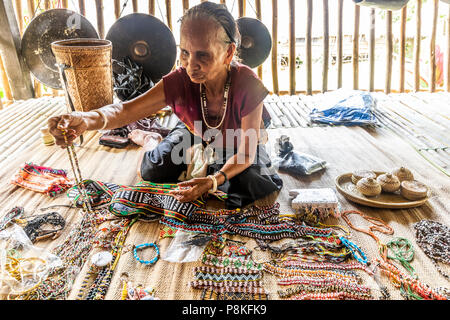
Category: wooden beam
<point>339,43</point>
<point>387,87</point>
<point>19,15</point>
<point>276,89</point>
<point>241,5</point>
<point>185,6</point>
<point>117,9</point>
<point>36,84</point>
<point>135,6</point>
<point>5,82</point>
<point>16,68</point>
<point>151,7</point>
<point>169,13</point>
<point>82,7</point>
<point>259,17</point>
<point>448,50</point>
<point>402,49</point>
<point>308,48</point>
<point>326,46</point>
<point>417,42</point>
<point>433,47</point>
<point>356,49</point>
<point>100,18</point>
<point>372,51</point>
<point>292,62</point>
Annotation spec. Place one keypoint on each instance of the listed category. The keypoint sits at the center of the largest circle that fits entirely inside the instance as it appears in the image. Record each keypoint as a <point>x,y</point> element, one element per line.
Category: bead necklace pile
<point>318,270</point>
<point>434,239</point>
<point>103,275</point>
<point>409,286</point>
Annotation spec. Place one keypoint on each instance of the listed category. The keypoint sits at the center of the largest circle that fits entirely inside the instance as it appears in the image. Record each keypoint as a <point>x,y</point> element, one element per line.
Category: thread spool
<point>47,138</point>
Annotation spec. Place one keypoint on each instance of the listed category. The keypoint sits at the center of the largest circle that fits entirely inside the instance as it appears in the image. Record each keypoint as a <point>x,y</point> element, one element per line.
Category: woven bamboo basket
<point>89,73</point>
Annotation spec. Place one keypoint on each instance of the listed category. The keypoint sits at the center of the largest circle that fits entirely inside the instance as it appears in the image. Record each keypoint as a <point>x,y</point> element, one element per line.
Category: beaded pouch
<point>314,205</point>
<point>42,179</point>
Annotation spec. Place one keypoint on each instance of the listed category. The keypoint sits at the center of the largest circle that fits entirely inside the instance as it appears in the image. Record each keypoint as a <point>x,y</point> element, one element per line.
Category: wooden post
<point>326,46</point>
<point>117,9</point>
<point>387,89</point>
<point>100,20</point>
<point>169,13</point>
<point>448,50</point>
<point>242,5</point>
<point>82,7</point>
<point>36,84</point>
<point>356,49</point>
<point>258,16</point>
<point>417,41</point>
<point>135,6</point>
<point>276,89</point>
<point>339,43</point>
<point>308,48</point>
<point>403,49</point>
<point>372,51</point>
<point>5,81</point>
<point>65,4</point>
<point>19,15</point>
<point>47,5</point>
<point>16,68</point>
<point>433,47</point>
<point>185,6</point>
<point>151,7</point>
<point>292,62</point>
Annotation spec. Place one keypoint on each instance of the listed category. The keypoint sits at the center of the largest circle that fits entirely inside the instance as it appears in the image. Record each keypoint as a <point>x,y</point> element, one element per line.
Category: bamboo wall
<point>25,10</point>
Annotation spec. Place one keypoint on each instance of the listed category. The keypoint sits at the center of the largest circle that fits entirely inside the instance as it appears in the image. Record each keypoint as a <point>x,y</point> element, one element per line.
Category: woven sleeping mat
<point>345,149</point>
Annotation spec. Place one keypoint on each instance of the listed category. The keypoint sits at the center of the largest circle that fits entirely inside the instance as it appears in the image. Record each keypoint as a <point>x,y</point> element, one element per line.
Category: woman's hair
<point>220,14</point>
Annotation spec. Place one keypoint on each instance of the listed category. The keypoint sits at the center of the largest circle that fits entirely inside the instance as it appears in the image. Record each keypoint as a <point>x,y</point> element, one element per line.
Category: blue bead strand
<point>351,246</point>
<point>145,245</point>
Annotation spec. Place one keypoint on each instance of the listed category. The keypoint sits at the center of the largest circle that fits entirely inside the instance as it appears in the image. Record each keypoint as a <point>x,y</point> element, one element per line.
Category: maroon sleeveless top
<point>245,94</point>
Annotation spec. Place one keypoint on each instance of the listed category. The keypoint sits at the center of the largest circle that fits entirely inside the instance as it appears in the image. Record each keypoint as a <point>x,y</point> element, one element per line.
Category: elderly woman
<point>220,104</point>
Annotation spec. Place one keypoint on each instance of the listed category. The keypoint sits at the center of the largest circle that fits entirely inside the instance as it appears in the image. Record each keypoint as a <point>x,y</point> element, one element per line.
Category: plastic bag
<point>185,247</point>
<point>22,265</point>
<point>294,162</point>
<point>383,4</point>
<point>354,109</point>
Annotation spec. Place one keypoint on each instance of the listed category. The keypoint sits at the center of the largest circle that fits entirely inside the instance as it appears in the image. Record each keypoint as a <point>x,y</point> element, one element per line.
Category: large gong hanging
<point>49,26</point>
<point>256,41</point>
<point>145,40</point>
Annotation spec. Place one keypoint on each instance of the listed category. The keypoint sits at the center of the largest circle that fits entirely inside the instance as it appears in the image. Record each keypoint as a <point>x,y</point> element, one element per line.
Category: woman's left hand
<point>192,189</point>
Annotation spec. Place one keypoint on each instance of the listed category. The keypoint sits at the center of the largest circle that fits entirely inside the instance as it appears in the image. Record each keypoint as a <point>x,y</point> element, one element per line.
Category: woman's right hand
<point>72,123</point>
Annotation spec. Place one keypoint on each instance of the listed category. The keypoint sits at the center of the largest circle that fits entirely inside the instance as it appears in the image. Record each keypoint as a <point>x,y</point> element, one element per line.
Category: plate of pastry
<point>394,190</point>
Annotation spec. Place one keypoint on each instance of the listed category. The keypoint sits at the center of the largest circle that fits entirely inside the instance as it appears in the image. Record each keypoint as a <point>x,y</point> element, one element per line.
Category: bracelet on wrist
<point>214,181</point>
<point>105,119</point>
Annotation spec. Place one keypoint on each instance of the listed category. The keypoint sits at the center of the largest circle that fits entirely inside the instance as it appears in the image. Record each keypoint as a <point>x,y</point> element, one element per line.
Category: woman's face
<point>203,53</point>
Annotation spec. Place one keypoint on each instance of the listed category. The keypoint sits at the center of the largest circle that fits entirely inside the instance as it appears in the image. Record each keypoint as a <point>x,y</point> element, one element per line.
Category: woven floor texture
<point>344,148</point>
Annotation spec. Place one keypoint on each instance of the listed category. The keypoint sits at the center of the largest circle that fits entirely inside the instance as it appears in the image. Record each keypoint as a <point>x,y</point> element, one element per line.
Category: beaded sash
<point>99,193</point>
<point>151,198</point>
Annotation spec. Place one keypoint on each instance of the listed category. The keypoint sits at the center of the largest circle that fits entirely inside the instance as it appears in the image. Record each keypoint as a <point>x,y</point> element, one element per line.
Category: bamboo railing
<point>395,40</point>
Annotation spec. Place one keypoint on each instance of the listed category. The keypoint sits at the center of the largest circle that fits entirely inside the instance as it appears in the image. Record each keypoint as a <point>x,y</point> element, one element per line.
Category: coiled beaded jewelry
<point>145,245</point>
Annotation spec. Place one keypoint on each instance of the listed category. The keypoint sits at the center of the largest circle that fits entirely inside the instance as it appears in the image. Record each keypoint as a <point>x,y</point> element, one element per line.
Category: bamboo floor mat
<point>344,148</point>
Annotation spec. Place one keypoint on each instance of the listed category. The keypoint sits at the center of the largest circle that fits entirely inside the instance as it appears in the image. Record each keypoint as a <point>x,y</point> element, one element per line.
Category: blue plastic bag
<point>354,110</point>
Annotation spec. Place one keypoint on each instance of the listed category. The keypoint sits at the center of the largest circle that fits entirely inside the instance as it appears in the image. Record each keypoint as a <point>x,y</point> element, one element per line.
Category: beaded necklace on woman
<point>204,108</point>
